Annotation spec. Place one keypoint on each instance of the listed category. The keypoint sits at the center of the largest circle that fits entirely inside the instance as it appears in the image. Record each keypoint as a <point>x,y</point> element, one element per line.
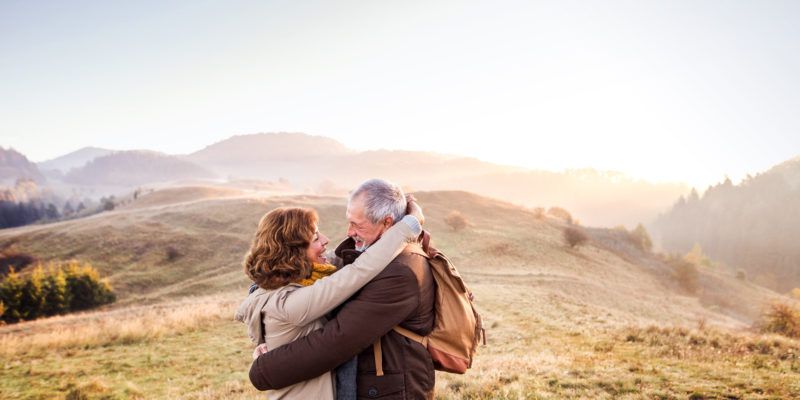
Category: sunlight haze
<point>671,91</point>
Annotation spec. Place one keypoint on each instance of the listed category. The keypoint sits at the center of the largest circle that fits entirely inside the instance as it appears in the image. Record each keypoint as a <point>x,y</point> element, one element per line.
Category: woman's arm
<point>303,305</point>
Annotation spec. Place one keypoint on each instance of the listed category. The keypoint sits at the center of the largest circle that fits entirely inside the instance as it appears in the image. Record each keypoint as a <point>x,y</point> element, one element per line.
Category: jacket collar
<point>347,252</point>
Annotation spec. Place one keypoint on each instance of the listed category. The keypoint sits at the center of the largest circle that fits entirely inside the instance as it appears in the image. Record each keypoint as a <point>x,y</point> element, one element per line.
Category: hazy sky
<point>670,90</point>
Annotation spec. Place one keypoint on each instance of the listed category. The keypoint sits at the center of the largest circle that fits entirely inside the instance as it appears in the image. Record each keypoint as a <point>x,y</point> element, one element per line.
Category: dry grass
<point>560,323</point>
<point>103,328</point>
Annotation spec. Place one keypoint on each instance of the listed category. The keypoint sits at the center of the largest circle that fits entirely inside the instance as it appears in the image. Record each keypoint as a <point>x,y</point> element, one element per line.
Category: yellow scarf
<point>320,271</point>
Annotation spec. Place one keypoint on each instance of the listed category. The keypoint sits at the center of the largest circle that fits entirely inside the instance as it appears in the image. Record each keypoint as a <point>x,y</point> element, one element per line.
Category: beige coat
<point>294,311</point>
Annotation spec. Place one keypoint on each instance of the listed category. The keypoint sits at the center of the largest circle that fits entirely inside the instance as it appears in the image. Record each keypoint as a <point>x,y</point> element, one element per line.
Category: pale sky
<point>668,91</point>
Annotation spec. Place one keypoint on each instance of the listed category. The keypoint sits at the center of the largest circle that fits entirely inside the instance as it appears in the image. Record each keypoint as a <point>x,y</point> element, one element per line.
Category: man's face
<point>361,228</point>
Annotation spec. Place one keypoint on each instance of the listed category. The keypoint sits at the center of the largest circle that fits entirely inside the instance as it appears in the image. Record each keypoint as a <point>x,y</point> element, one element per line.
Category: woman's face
<point>317,247</point>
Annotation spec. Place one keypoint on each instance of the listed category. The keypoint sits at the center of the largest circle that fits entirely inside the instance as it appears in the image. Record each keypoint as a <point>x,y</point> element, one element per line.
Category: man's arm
<point>375,310</point>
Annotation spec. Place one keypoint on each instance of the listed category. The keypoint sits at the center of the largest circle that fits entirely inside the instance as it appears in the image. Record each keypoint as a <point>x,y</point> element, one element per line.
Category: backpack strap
<point>423,340</point>
<point>376,347</point>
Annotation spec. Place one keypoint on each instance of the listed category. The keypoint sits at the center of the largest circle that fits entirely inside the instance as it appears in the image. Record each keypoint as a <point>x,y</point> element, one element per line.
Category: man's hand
<point>259,350</point>
<point>413,208</point>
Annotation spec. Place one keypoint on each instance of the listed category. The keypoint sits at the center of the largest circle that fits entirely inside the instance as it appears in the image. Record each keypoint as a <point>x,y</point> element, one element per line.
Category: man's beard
<point>364,246</point>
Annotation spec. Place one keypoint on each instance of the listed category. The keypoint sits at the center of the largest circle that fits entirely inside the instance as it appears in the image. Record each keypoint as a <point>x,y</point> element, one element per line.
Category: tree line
<point>752,226</point>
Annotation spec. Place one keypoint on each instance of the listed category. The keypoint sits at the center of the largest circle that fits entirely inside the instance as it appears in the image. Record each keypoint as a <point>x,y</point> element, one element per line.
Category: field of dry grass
<point>600,321</point>
<point>537,349</point>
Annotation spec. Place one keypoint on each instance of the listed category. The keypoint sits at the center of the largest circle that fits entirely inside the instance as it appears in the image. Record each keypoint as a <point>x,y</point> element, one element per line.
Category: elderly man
<point>403,294</point>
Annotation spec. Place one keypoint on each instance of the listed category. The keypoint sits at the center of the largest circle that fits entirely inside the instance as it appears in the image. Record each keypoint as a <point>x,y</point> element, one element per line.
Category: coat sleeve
<point>381,305</point>
<point>306,304</point>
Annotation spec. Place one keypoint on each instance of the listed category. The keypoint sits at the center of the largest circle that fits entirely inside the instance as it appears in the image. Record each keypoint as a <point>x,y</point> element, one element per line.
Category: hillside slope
<point>190,241</point>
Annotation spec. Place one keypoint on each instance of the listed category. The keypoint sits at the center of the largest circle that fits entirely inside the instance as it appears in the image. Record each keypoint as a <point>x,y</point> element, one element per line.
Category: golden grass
<point>102,328</point>
<point>561,323</point>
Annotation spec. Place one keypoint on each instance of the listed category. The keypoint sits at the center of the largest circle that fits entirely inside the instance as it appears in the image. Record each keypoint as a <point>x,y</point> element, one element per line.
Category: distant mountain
<point>14,165</point>
<point>136,167</point>
<point>326,166</point>
<point>75,159</point>
<point>752,226</point>
<point>258,148</point>
<point>316,164</point>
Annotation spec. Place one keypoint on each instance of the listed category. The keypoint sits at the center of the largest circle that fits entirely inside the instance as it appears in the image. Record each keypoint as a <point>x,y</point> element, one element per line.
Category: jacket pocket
<point>387,387</point>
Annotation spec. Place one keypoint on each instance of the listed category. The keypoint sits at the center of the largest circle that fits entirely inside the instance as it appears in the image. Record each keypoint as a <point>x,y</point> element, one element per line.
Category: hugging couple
<point>324,327</point>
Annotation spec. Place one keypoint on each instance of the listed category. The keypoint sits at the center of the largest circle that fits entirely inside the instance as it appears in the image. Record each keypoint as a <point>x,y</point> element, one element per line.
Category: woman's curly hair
<point>277,256</point>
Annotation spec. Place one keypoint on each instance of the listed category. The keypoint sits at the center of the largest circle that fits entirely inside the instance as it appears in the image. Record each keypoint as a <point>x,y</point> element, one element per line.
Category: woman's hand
<point>414,209</point>
<point>259,350</point>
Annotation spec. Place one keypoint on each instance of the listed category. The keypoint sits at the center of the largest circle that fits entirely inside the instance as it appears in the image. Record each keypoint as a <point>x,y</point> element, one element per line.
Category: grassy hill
<point>605,320</point>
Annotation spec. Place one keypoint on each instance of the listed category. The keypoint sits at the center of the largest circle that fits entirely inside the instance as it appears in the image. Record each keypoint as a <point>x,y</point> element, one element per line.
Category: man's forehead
<point>354,211</point>
<point>355,205</point>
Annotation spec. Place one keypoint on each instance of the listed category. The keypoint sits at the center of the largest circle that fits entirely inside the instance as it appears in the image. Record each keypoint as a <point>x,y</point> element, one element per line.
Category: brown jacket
<point>402,294</point>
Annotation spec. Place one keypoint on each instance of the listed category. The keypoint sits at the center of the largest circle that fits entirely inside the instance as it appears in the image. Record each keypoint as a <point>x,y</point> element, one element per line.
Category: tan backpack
<point>457,328</point>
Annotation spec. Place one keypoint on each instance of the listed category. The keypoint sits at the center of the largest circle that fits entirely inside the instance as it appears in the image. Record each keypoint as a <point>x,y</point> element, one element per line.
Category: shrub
<point>62,288</point>
<point>685,273</point>
<point>11,296</point>
<point>538,213</point>
<point>57,297</point>
<point>173,254</point>
<point>456,220</point>
<point>86,288</point>
<point>560,213</point>
<point>575,236</point>
<point>697,257</point>
<point>32,297</point>
<point>741,275</point>
<point>641,238</point>
<point>782,319</point>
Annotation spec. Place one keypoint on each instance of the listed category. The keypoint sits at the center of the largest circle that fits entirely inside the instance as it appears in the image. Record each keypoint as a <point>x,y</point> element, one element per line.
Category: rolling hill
<point>207,231</point>
<point>314,163</point>
<point>133,168</point>
<point>14,166</point>
<point>75,159</point>
<point>605,320</point>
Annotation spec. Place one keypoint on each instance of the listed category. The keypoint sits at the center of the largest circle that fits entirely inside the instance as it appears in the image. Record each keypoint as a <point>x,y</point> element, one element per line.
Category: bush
<point>741,275</point>
<point>11,295</point>
<point>456,220</point>
<point>641,238</point>
<point>538,213</point>
<point>575,236</point>
<point>685,273</point>
<point>782,319</point>
<point>63,288</point>
<point>697,257</point>
<point>173,254</point>
<point>86,288</point>
<point>560,213</point>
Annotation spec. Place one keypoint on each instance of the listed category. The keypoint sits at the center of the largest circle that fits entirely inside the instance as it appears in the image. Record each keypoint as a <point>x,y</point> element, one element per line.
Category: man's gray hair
<point>381,199</point>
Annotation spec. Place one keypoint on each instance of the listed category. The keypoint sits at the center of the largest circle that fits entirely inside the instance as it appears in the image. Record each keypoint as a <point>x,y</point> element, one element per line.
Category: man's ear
<point>388,222</point>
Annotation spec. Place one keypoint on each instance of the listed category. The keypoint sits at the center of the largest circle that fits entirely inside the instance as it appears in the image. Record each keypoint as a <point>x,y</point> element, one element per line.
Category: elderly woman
<point>297,287</point>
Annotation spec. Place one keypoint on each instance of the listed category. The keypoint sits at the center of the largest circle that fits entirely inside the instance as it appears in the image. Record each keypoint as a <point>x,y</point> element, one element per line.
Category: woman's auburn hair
<point>278,255</point>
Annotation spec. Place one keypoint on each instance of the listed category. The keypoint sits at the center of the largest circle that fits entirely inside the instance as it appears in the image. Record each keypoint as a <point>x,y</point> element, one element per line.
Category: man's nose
<point>351,232</point>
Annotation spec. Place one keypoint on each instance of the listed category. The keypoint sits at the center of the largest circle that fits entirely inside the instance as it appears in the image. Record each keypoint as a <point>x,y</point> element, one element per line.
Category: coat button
<point>372,392</point>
